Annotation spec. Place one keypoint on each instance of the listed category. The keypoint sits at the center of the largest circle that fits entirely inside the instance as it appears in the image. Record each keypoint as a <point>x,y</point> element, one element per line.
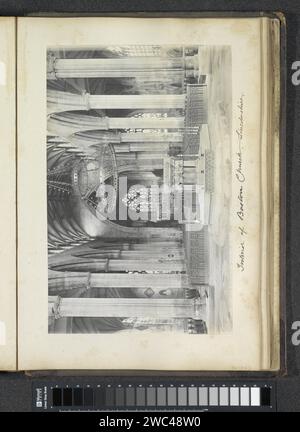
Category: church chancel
<point>130,177</point>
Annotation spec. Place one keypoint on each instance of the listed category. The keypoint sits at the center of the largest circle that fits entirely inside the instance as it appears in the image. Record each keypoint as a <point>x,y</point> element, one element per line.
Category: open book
<point>140,193</point>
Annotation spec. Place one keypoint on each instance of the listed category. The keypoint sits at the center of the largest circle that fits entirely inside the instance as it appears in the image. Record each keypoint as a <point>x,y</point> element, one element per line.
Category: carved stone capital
<point>199,308</point>
<point>51,71</point>
<point>192,66</point>
<point>86,100</point>
<point>54,307</point>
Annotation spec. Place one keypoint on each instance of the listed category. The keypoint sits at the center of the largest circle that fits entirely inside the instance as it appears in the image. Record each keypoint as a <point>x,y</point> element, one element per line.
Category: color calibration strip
<point>160,397</point>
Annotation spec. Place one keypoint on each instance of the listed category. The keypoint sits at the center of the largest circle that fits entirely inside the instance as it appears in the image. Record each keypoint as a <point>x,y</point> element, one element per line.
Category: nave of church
<point>127,119</point>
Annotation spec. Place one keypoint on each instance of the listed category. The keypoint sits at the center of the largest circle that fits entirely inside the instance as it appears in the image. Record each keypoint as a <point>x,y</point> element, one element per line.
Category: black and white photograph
<point>139,172</point>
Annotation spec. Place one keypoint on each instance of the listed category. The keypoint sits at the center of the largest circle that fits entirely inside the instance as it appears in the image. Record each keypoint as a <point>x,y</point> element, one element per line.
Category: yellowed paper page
<point>74,310</point>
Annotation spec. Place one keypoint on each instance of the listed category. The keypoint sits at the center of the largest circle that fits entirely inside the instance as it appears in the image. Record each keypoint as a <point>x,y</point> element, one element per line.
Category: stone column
<point>67,124</point>
<point>140,137</point>
<point>120,265</point>
<point>139,280</point>
<point>123,307</point>
<point>114,137</point>
<point>146,123</point>
<point>157,147</point>
<point>59,280</point>
<point>124,67</point>
<point>117,265</point>
<point>59,101</point>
